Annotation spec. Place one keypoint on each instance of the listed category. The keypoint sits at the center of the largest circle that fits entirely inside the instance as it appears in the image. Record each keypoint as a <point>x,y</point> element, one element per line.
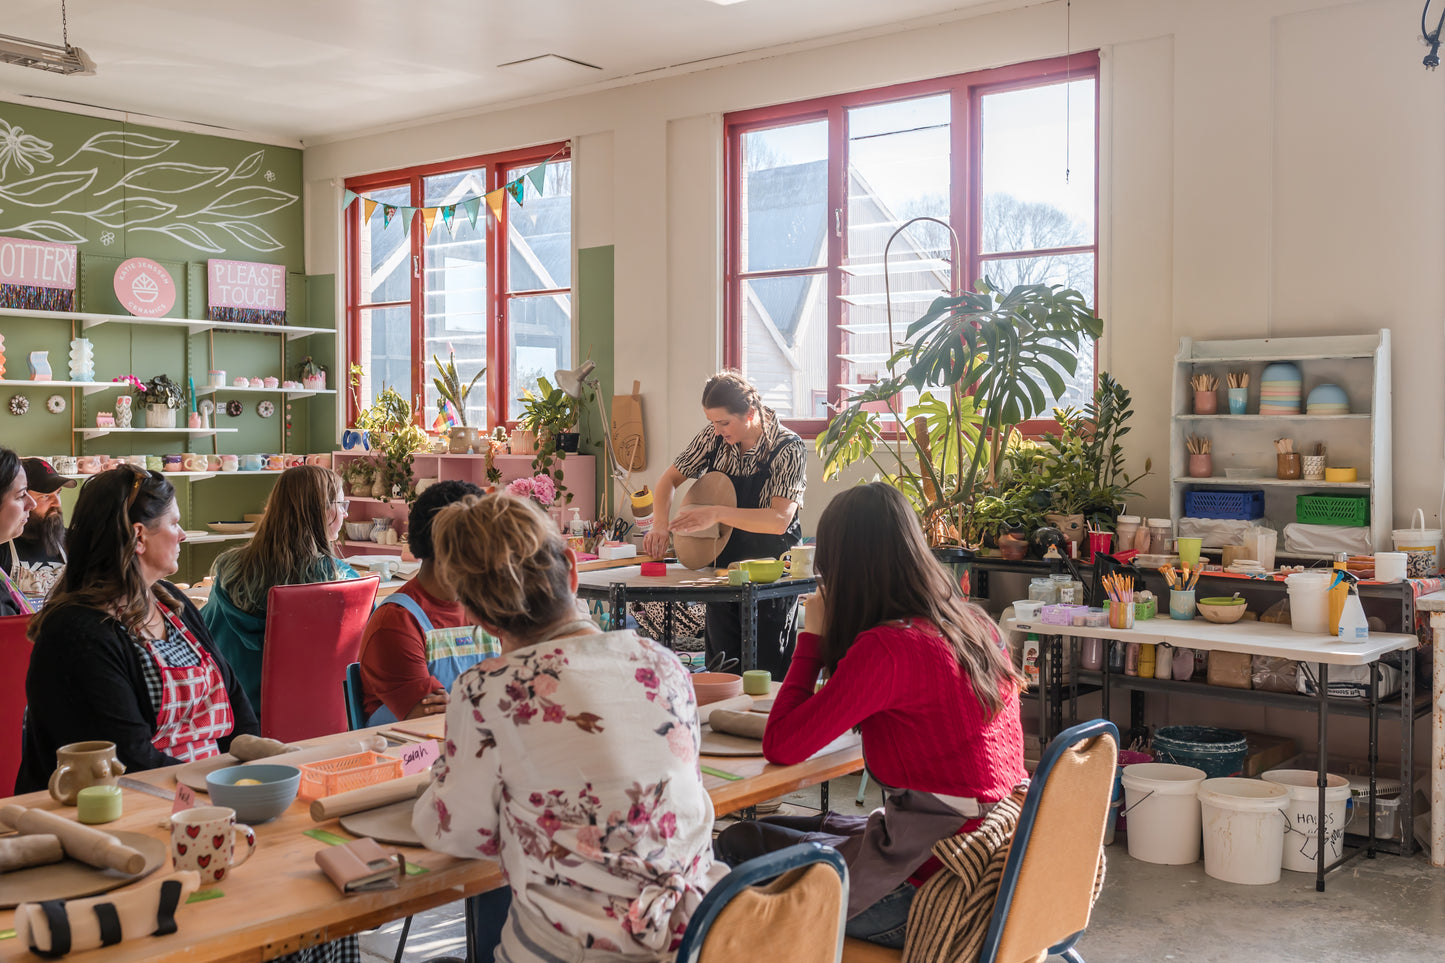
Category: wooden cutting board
<point>72,879</point>
<point>389,824</point>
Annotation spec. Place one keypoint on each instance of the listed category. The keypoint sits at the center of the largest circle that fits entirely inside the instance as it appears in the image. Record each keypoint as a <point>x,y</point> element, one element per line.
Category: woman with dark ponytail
<point>15,505</point>
<point>120,654</point>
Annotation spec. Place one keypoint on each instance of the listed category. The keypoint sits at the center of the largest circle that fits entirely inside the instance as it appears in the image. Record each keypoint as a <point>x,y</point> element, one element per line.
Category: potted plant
<point>980,363</point>
<point>551,415</point>
<point>162,398</point>
<point>313,374</point>
<point>395,471</point>
<point>462,438</point>
<point>359,473</point>
<point>389,413</point>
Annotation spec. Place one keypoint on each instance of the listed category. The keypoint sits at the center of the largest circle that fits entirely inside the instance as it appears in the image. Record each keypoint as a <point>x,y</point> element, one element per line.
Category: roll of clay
<point>750,725</point>
<point>19,852</point>
<point>91,846</point>
<point>247,747</point>
<point>370,797</point>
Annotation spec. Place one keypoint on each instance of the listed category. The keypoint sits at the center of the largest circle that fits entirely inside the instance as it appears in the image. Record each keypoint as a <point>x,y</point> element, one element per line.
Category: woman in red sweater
<point>923,674</point>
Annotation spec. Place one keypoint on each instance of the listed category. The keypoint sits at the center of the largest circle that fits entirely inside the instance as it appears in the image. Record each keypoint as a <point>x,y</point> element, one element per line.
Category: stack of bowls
<point>1279,389</point>
<point>1327,400</point>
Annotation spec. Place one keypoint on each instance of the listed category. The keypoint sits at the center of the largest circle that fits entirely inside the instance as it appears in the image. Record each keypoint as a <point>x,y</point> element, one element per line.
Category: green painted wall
<point>119,190</point>
<point>594,336</point>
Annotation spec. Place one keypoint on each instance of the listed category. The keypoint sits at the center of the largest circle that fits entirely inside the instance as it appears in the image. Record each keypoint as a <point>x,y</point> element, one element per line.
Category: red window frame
<point>965,188</point>
<point>498,297</point>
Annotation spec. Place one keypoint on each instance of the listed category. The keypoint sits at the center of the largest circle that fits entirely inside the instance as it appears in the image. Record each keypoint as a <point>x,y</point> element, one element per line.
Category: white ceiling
<point>314,69</point>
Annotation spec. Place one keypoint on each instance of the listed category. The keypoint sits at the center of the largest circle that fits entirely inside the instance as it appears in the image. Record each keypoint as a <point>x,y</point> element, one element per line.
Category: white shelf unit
<point>207,538</point>
<point>1360,364</point>
<point>89,387</point>
<point>192,326</point>
<point>202,391</point>
<point>97,432</point>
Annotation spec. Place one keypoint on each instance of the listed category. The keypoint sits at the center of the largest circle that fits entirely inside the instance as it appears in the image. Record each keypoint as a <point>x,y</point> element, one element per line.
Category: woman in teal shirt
<point>295,543</point>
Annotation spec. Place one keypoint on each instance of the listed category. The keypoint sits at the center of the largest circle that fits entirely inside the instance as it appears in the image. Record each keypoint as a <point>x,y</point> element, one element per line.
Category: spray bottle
<point>1338,592</point>
<point>1354,627</point>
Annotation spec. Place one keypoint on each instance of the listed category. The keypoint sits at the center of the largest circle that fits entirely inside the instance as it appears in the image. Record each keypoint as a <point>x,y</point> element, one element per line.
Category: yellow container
<point>1341,475</point>
<point>1146,660</point>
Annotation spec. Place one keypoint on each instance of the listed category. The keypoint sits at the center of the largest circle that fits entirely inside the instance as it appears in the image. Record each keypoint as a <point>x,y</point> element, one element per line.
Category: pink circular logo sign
<point>144,288</point>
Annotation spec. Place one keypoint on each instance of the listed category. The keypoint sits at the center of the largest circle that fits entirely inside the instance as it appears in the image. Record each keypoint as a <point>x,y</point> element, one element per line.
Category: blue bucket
<point>1219,752</point>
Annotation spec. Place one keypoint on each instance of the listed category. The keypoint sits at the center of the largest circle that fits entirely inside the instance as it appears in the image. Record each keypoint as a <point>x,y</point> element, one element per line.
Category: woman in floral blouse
<point>572,757</point>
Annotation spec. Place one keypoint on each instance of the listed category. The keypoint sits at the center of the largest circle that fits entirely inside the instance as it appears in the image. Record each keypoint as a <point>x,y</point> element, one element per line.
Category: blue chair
<point>351,692</point>
<point>806,890</point>
<point>1045,892</point>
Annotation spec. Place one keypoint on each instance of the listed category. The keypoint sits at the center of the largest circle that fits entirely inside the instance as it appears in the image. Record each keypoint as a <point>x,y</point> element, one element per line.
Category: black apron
<point>723,630</point>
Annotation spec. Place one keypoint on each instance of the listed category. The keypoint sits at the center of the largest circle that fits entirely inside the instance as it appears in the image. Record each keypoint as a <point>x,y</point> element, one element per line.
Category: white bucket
<point>1303,811</point>
<point>1161,805</point>
<point>1421,545</point>
<point>1309,601</point>
<point>1244,829</point>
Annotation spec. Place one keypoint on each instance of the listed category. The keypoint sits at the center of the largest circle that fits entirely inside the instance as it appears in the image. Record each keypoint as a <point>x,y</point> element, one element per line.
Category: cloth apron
<point>195,710</point>
<point>449,652</point>
<point>745,545</point>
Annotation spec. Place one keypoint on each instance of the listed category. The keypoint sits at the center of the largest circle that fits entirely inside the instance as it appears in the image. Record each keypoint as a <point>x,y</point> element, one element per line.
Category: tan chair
<point>1047,888</point>
<point>798,916</point>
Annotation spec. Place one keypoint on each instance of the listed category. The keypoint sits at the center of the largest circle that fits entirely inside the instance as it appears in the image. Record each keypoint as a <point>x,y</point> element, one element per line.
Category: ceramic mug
<point>322,460</point>
<point>295,461</point>
<point>193,461</point>
<point>799,561</point>
<point>173,462</point>
<point>276,462</point>
<point>66,465</point>
<point>230,463</point>
<point>204,840</point>
<point>251,463</point>
<point>139,461</point>
<point>155,463</point>
<point>213,463</point>
<point>82,764</point>
<point>88,464</point>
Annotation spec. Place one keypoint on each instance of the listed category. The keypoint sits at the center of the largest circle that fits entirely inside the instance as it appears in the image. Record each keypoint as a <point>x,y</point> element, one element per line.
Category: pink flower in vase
<point>544,489</point>
<point>522,488</point>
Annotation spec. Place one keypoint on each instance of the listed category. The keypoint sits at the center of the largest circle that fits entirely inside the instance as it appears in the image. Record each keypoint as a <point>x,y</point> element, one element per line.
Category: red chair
<point>313,632</point>
<point>14,664</point>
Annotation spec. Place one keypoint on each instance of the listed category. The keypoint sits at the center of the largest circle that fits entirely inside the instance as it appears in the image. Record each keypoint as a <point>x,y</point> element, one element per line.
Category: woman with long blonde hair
<point>923,674</point>
<point>295,544</point>
<point>571,757</point>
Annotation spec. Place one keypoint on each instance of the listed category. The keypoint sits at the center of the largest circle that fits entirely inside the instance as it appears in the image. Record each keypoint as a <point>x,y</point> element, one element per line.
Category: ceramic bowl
<point>1222,610</point>
<point>763,569</point>
<point>1327,398</point>
<point>275,790</point>
<point>358,531</point>
<point>716,686</point>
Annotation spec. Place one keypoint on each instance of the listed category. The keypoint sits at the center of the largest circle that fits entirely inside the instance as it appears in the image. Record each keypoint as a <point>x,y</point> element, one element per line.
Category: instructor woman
<point>768,466</point>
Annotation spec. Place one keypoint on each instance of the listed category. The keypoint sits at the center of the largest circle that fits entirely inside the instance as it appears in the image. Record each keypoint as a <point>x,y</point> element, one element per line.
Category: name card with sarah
<point>246,292</point>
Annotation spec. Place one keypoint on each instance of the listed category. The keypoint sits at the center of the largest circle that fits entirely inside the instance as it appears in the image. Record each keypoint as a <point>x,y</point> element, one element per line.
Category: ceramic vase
<point>459,440</point>
<point>40,366</point>
<point>160,416</point>
<point>1206,402</point>
<point>314,382</point>
<point>124,411</point>
<point>1200,466</point>
<point>82,360</point>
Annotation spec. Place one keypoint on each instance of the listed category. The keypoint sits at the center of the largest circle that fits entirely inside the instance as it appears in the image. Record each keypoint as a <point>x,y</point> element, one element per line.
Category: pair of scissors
<point>620,528</point>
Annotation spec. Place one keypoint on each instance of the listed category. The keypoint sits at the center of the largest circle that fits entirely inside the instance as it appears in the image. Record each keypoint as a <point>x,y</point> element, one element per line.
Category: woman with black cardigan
<point>120,654</point>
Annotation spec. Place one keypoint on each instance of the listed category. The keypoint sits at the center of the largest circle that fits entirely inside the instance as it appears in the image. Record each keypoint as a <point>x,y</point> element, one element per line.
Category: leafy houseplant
<point>161,390</point>
<point>993,357</point>
<point>550,413</point>
<point>450,386</point>
<point>313,372</point>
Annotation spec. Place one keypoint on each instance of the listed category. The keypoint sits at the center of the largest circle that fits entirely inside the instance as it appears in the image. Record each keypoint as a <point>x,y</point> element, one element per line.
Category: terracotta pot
<point>1206,402</point>
<point>1200,466</point>
<point>1013,547</point>
<point>524,442</point>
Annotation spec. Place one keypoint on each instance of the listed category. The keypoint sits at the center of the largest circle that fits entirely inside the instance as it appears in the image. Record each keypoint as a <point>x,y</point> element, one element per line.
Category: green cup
<point>98,804</point>
<point>757,682</point>
<point>1188,549</point>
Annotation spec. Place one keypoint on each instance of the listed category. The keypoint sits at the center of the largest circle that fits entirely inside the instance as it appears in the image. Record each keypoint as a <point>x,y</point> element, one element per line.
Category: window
<point>496,293</point>
<point>1006,157</point>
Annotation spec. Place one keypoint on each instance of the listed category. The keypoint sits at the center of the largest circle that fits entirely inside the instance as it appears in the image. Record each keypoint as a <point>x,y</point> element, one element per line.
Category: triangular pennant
<point>538,175</point>
<point>494,201</point>
<point>368,208</point>
<point>429,218</point>
<point>388,211</point>
<point>408,214</point>
<point>516,188</point>
<point>472,207</point>
<point>347,197</point>
<point>449,213</point>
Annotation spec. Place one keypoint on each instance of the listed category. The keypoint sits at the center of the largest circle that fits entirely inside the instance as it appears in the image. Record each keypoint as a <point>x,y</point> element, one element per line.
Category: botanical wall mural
<point>123,189</point>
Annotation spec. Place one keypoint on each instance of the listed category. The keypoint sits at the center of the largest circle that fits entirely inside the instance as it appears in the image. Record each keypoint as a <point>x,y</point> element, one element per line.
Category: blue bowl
<point>255,804</point>
<point>1329,396</point>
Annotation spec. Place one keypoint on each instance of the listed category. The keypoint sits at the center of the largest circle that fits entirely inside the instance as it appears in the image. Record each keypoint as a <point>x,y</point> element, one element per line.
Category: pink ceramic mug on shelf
<point>193,461</point>
<point>323,460</point>
<point>230,462</point>
<point>295,461</point>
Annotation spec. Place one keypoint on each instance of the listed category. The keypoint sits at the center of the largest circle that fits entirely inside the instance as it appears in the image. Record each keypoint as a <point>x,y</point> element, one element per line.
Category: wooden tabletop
<point>279,901</point>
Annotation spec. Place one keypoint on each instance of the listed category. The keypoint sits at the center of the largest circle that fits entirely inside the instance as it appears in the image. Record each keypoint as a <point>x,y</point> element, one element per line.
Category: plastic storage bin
<point>1353,510</point>
<point>331,776</point>
<point>1243,504</point>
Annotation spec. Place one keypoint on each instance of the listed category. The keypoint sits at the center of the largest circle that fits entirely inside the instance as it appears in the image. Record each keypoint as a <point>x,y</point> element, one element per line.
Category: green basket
<point>1353,510</point>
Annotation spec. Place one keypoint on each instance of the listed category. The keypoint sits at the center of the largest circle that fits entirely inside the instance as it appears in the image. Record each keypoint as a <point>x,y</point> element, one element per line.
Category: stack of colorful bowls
<point>1279,389</point>
<point>1328,400</point>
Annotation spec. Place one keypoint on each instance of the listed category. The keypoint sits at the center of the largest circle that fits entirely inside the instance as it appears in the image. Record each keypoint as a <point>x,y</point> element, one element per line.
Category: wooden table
<point>279,901</point>
<point>1434,603</point>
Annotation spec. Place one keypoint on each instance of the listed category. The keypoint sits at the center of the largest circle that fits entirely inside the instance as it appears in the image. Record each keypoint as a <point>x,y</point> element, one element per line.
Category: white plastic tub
<point>1244,826</point>
<point>1309,608</point>
<point>1162,809</point>
<point>1301,844</point>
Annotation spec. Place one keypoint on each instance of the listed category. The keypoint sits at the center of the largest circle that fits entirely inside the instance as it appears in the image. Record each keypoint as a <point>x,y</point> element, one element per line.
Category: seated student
<point>35,557</point>
<point>120,654</point>
<point>295,544</point>
<point>420,638</point>
<point>925,676</point>
<point>572,757</point>
<point>16,503</point>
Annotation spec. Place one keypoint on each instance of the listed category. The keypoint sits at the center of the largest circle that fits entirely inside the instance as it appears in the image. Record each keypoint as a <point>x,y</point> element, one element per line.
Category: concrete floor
<point>1385,910</point>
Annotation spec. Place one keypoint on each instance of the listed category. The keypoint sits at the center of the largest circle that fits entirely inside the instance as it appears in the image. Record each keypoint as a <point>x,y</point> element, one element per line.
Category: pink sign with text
<point>246,291</point>
<point>37,275</point>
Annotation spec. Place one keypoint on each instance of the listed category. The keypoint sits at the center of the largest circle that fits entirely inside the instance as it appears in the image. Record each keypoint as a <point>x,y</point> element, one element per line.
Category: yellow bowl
<point>763,569</point>
<point>1341,475</point>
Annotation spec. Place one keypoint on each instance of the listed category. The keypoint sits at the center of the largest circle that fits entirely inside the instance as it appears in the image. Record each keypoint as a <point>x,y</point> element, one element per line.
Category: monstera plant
<point>980,364</point>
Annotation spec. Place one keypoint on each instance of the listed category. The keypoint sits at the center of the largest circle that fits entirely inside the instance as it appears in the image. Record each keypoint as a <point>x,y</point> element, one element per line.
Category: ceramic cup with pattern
<point>208,840</point>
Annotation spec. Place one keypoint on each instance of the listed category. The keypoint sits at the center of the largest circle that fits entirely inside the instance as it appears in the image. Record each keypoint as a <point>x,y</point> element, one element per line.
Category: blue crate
<point>1244,504</point>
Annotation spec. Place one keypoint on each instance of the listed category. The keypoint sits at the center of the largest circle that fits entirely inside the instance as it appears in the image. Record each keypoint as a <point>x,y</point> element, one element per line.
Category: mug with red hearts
<point>208,840</point>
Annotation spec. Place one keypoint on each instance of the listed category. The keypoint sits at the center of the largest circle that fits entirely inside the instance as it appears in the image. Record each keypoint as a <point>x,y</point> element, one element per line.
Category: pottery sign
<point>144,288</point>
<point>37,275</point>
<point>247,292</point>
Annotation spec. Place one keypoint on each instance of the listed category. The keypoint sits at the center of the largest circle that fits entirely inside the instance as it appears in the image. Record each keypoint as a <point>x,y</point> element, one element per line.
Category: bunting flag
<point>471,207</point>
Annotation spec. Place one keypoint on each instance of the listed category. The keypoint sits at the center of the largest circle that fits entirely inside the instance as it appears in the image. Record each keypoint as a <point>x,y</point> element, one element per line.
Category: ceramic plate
<point>230,528</point>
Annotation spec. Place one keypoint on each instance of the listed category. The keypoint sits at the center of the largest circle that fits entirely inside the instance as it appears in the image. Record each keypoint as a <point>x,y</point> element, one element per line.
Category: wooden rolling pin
<point>370,797</point>
<point>90,846</point>
<point>23,851</point>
